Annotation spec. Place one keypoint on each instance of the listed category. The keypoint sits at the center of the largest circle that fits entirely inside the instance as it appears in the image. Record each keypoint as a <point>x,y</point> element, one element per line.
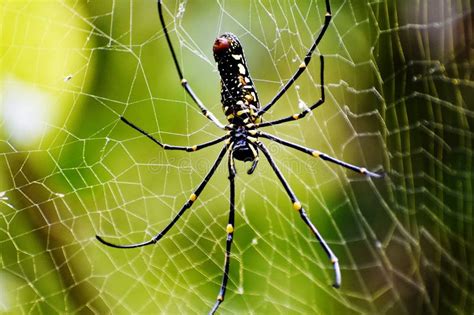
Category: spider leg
<point>303,65</point>
<point>186,206</point>
<point>307,110</point>
<point>232,169</point>
<point>255,160</point>
<point>321,155</point>
<point>184,82</point>
<point>174,147</point>
<point>230,236</point>
<point>297,206</point>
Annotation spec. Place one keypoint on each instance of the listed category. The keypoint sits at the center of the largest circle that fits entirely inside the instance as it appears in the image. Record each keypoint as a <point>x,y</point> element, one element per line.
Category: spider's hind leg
<point>184,83</point>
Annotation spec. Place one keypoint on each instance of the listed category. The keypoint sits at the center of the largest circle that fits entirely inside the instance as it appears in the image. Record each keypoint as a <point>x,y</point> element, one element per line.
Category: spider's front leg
<point>297,206</point>
<point>230,235</point>
<point>185,207</point>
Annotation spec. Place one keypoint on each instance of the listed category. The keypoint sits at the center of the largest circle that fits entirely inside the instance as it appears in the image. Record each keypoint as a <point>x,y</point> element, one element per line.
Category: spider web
<point>398,83</point>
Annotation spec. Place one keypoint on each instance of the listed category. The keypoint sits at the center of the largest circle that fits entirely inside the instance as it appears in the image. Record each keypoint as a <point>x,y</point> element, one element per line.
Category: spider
<point>243,112</point>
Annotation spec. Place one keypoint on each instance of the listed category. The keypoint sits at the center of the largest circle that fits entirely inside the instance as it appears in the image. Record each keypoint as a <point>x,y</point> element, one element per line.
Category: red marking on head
<point>221,45</point>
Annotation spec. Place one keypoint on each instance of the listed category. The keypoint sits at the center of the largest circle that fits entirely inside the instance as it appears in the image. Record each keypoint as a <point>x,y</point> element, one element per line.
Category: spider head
<point>246,152</point>
<point>243,149</point>
<point>225,46</point>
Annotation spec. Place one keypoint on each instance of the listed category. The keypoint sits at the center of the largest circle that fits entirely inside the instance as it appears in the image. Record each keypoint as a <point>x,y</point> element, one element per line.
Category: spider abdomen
<point>238,94</point>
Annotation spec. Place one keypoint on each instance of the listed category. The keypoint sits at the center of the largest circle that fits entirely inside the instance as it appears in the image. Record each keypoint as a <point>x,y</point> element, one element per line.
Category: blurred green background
<point>398,89</point>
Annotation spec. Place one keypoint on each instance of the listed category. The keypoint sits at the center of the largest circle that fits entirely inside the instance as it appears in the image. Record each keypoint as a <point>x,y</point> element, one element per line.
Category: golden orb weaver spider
<point>243,112</point>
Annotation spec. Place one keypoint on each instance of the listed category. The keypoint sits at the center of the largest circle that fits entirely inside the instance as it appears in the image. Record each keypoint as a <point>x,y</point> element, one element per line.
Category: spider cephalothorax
<point>243,146</point>
<point>243,113</point>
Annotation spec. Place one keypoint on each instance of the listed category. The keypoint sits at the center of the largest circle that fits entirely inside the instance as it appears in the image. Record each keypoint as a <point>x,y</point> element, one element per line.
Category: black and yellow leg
<point>184,82</point>
<point>232,170</point>
<point>306,111</point>
<point>174,147</point>
<point>229,239</point>
<point>304,64</point>
<point>186,206</point>
<point>255,158</point>
<point>321,155</point>
<point>297,206</point>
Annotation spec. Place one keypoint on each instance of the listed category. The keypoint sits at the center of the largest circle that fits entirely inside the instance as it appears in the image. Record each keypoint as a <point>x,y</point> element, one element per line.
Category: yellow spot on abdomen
<point>193,197</point>
<point>316,153</point>
<point>243,111</point>
<point>229,229</point>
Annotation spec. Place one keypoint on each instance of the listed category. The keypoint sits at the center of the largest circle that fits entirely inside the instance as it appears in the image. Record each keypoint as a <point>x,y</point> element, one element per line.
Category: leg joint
<point>297,205</point>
